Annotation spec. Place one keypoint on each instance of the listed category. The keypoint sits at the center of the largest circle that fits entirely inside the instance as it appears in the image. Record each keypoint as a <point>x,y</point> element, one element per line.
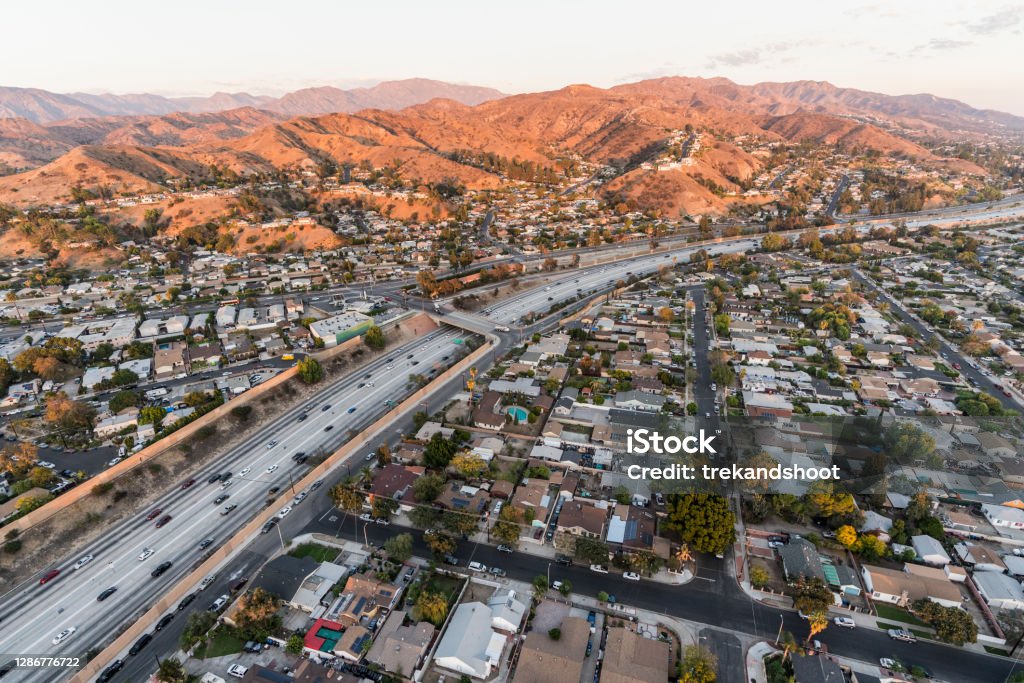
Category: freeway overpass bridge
<point>466,321</point>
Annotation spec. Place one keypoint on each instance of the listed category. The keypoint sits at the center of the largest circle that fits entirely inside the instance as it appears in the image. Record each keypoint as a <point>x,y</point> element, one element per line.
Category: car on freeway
<point>165,620</point>
<point>325,408</point>
<point>328,428</point>
<point>631,576</point>
<point>49,576</point>
<point>244,471</point>
<point>161,568</point>
<point>844,622</point>
<point>213,478</point>
<point>302,418</point>
<point>390,367</point>
<point>299,456</point>
<point>154,514</point>
<point>64,635</point>
<point>272,490</point>
<point>228,509</point>
<point>351,410</point>
<point>139,644</point>
<point>84,560</point>
<point>163,521</point>
<point>107,592</point>
<point>360,385</point>
<point>226,484</point>
<point>270,469</point>
<point>189,483</point>
<point>220,499</point>
<point>146,554</point>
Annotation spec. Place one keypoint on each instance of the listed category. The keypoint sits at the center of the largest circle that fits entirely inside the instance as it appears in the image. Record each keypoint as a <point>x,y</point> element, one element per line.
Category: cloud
<point>749,56</point>
<point>1002,20</point>
<point>941,44</point>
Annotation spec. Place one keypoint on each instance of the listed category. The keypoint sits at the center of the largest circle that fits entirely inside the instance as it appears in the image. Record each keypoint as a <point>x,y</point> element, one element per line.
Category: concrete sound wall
<point>237,542</point>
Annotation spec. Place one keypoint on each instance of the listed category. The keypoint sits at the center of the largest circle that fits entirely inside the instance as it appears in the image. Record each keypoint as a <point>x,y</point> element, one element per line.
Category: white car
<point>390,367</point>
<point>284,511</point>
<point>244,471</point>
<point>114,461</point>
<point>47,465</point>
<point>271,469</point>
<point>477,567</point>
<point>631,576</point>
<point>599,569</point>
<point>205,583</point>
<point>366,517</point>
<point>82,562</point>
<point>272,444</point>
<point>63,635</point>
<point>299,498</point>
<point>237,670</point>
<point>844,622</point>
<point>887,663</point>
<point>146,554</point>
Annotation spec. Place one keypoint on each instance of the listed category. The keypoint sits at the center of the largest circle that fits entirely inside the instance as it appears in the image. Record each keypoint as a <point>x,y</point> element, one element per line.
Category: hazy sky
<point>973,51</point>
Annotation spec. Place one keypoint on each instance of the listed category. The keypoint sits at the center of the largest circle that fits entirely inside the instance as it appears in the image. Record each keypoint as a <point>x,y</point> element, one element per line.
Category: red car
<point>152,515</point>
<point>163,520</point>
<point>188,484</point>
<point>49,576</point>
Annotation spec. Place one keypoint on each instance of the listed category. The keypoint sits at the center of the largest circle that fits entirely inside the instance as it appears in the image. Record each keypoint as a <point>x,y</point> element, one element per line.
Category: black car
<point>326,408</point>
<point>8,668</point>
<point>140,643</point>
<point>161,568</point>
<point>214,478</point>
<point>109,672</point>
<point>269,525</point>
<point>186,601</point>
<point>205,543</point>
<point>299,456</point>
<point>328,428</point>
<point>226,475</point>
<point>106,594</point>
<point>316,484</point>
<point>164,620</point>
<point>303,417</point>
<point>220,499</point>
<point>272,490</point>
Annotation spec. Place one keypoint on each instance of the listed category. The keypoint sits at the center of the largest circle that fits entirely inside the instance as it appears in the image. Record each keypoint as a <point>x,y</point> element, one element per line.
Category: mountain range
<point>42,106</point>
<point>442,139</point>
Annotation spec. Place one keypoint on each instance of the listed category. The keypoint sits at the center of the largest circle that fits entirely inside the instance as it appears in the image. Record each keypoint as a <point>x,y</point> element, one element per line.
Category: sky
<point>971,51</point>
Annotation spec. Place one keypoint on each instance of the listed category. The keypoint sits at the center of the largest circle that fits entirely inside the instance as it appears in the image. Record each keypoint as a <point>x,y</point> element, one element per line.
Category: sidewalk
<point>755,661</point>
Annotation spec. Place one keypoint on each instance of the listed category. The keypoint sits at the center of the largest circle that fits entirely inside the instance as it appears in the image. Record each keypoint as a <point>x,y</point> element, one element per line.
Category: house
<point>283,575</point>
<point>930,550</point>
<point>800,559</point>
<point>980,558</point>
<point>533,500</point>
<point>399,648</point>
<point>545,660</point>
<point>469,645</point>
<point>170,358</point>
<point>352,643</point>
<point>994,445</point>
<point>321,638</point>
<point>316,586</point>
<point>1003,516</point>
<point>631,527</point>
<point>507,611</point>
<point>639,400</point>
<point>631,658</point>
<point>127,418</point>
<point>903,588</point>
<point>759,404</point>
<point>365,597</point>
<point>486,415</point>
<point>395,481</point>
<point>461,497</point>
<point>999,590</point>
<point>817,668</point>
<point>581,517</point>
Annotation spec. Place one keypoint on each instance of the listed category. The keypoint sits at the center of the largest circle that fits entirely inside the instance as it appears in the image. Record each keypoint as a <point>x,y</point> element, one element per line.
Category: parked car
<point>600,569</point>
<point>504,549</point>
<point>219,603</point>
<point>142,642</point>
<point>477,567</point>
<point>498,571</point>
<point>631,576</point>
<point>237,670</point>
<point>844,622</point>
<point>902,634</point>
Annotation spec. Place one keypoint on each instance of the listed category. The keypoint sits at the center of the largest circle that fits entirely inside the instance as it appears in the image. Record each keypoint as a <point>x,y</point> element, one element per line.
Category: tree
<point>951,624</point>
<point>27,505</point>
<point>309,370</point>
<point>440,543</point>
<point>257,614</point>
<point>871,547</point>
<point>383,455</point>
<point>460,523</point>
<point>566,587</point>
<point>468,465</point>
<point>823,499</point>
<point>153,415</point>
<point>698,665</point>
<point>702,520</point>
<point>41,477</point>
<point>846,535</point>
<point>773,242</point>
<point>722,321</point>
<point>507,529</point>
<point>383,507</point>
<point>591,551</point>
<point>432,607</point>
<point>907,443</point>
<point>123,378</point>
<point>18,459</point>
<point>294,645</point>
<point>374,338</point>
<point>171,671</point>
<point>426,488</point>
<point>813,599</point>
<point>346,497</point>
<point>70,417</point>
<point>759,576</point>
<point>555,633</point>
<point>399,548</point>
<point>439,452</point>
<point>124,399</point>
<point>198,625</point>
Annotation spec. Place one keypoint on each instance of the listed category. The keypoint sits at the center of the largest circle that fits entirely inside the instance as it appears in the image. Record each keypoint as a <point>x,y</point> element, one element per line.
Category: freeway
<point>33,614</point>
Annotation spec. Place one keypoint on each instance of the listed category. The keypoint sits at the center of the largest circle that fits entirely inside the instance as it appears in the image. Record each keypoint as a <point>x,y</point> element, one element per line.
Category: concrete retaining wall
<point>238,542</point>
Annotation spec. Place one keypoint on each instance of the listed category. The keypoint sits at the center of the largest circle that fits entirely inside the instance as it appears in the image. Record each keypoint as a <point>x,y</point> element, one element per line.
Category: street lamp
<point>779,634</point>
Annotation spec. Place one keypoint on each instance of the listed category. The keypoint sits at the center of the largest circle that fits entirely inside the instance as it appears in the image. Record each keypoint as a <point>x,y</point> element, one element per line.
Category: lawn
<point>320,553</point>
<point>897,614</point>
<point>220,644</point>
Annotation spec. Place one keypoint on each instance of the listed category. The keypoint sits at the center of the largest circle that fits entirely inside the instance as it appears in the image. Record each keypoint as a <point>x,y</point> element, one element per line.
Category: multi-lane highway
<point>33,614</point>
